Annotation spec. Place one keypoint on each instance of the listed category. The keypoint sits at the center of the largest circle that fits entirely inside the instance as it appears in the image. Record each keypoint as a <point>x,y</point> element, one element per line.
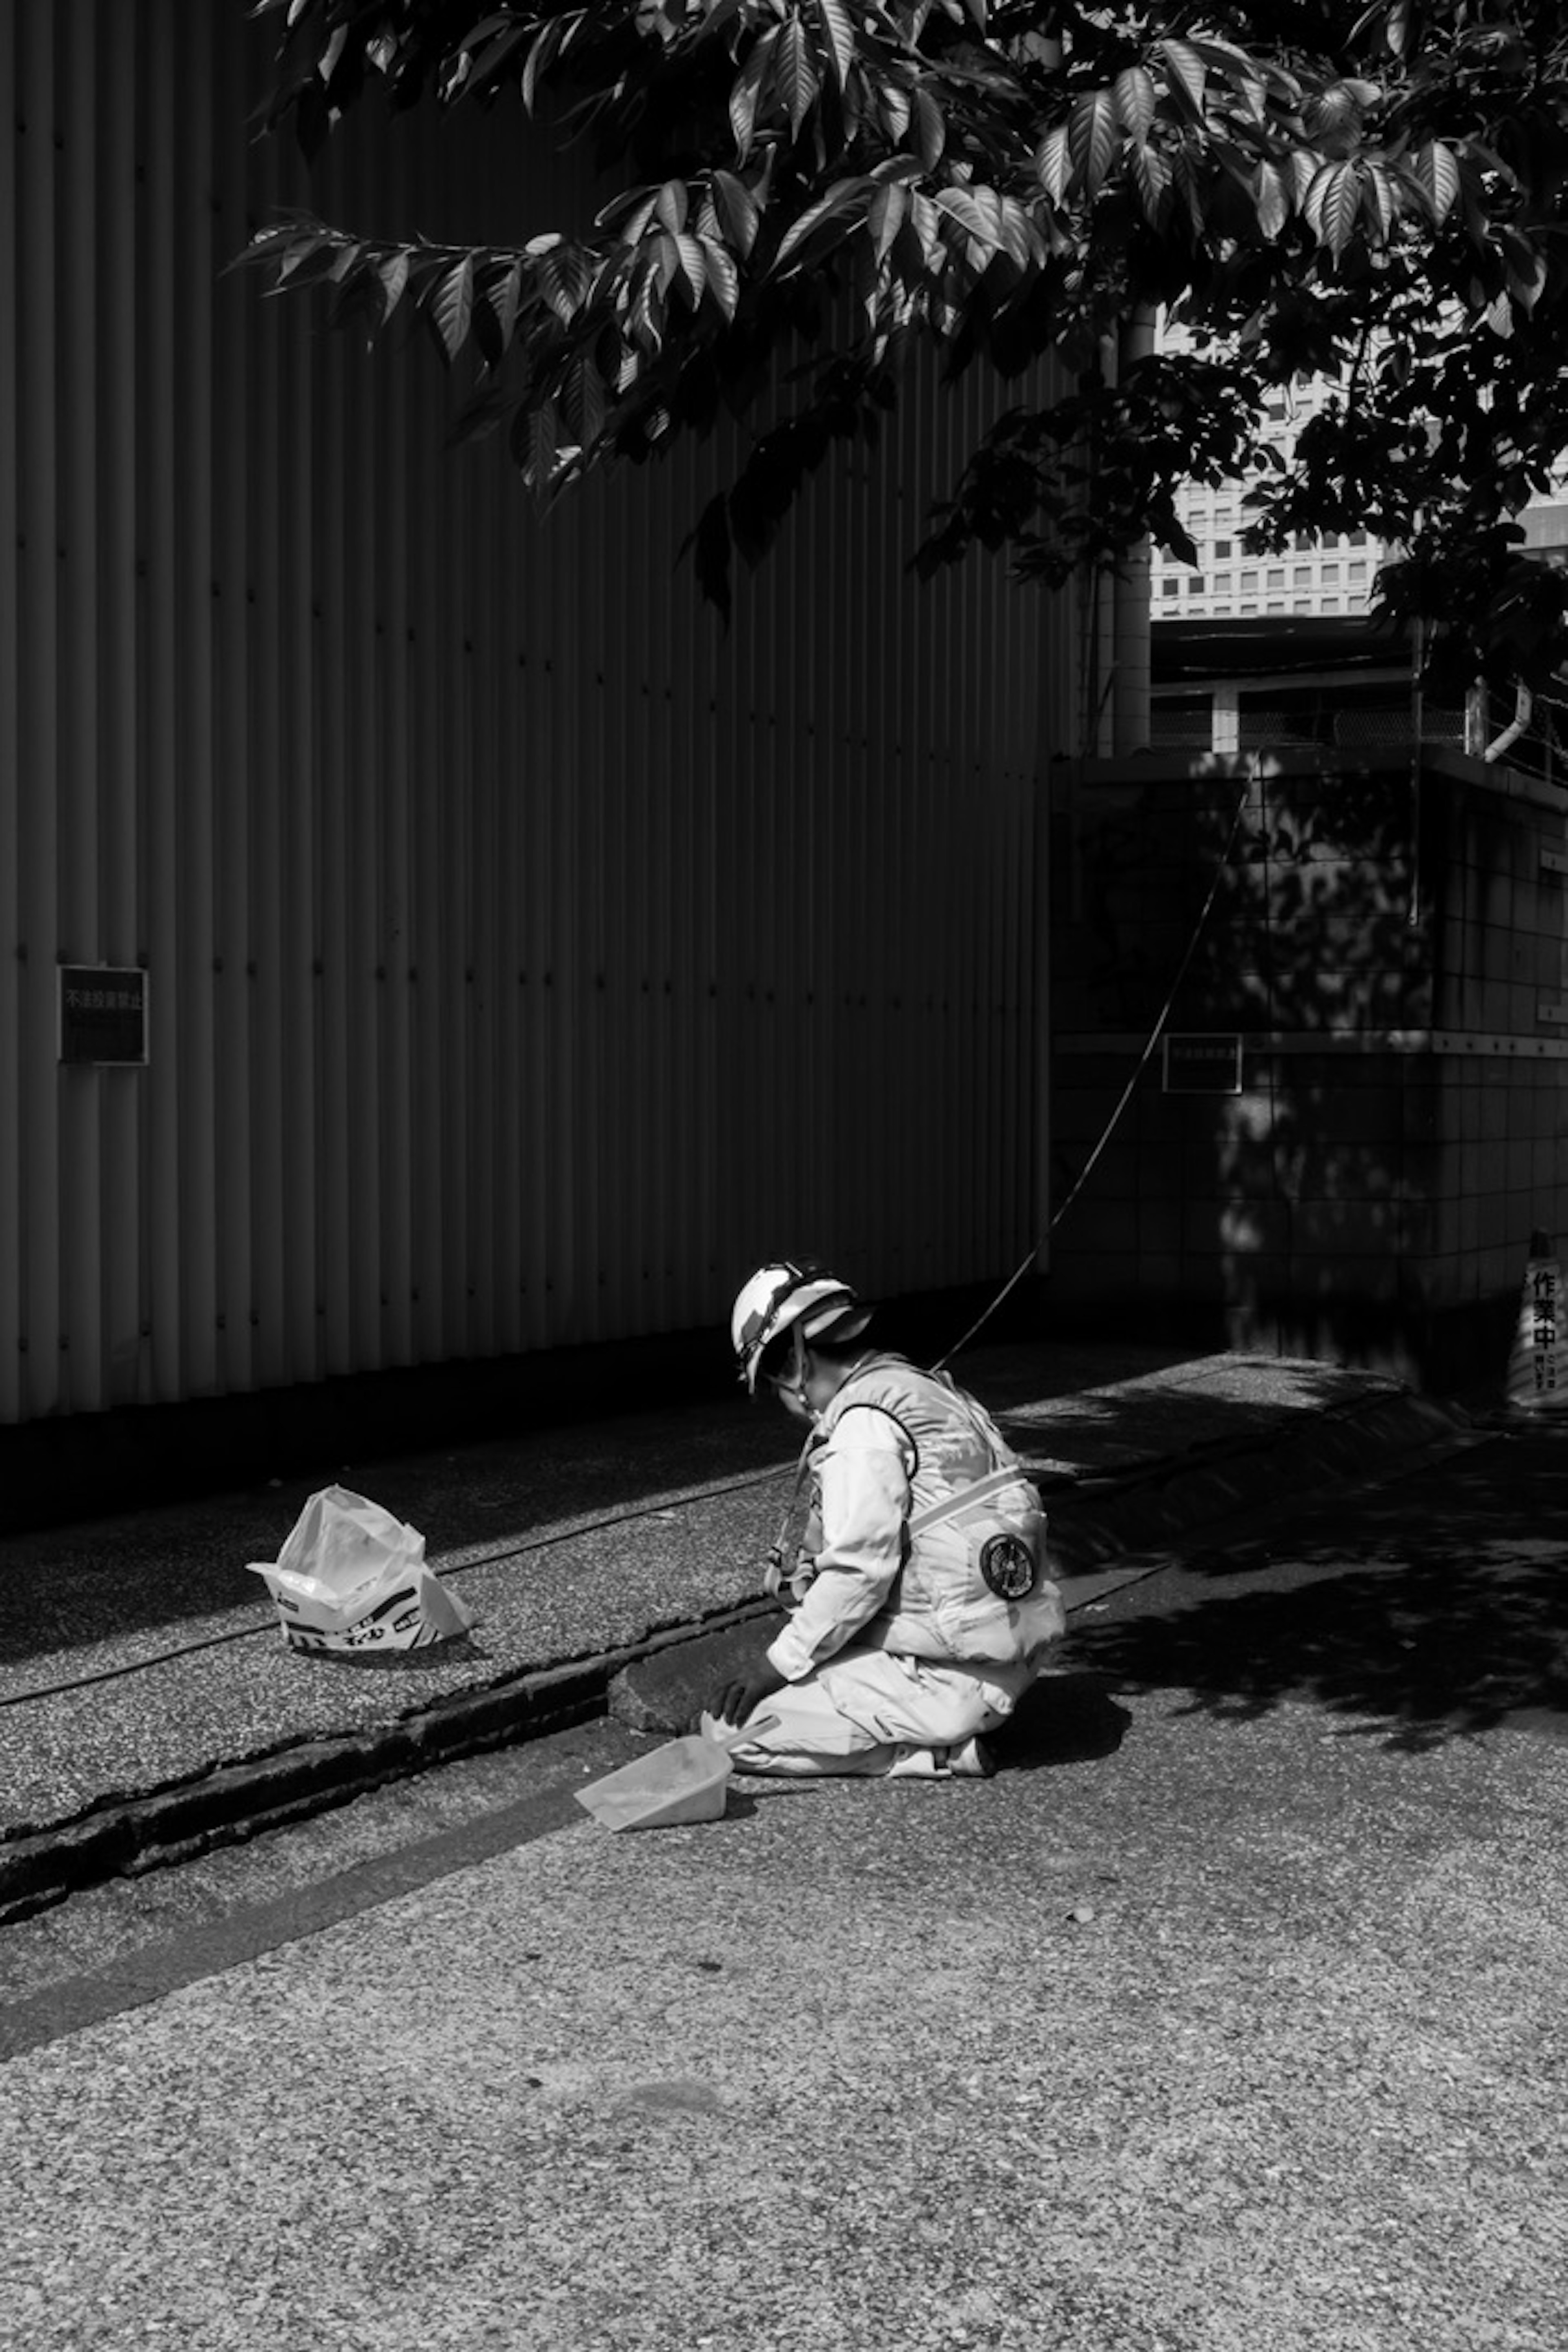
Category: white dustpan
<point>685,1780</point>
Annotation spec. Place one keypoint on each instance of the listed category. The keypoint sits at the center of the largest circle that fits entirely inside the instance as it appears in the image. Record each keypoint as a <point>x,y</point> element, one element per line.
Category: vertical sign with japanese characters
<point>1545,1288</point>
<point>103,1013</point>
<point>1537,1377</point>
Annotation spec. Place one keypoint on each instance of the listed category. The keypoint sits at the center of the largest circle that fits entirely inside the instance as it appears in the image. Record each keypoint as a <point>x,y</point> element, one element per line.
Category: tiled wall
<point>1390,953</point>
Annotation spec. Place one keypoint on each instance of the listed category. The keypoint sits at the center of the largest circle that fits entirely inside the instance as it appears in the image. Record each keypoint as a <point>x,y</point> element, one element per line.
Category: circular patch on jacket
<point>1008,1567</point>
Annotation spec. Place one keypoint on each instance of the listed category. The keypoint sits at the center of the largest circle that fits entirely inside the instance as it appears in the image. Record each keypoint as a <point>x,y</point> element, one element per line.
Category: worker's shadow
<point>1065,1718</point>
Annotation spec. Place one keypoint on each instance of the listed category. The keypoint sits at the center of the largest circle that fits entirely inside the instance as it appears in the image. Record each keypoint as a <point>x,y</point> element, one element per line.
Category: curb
<point>1141,1511</point>
<point>123,1837</point>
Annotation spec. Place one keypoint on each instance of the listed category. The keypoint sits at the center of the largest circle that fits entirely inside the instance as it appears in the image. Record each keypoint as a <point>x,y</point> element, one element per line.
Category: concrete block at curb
<point>666,1692</point>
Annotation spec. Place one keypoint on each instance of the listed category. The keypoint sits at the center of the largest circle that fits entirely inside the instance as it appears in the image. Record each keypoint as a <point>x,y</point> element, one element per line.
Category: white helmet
<point>791,1294</point>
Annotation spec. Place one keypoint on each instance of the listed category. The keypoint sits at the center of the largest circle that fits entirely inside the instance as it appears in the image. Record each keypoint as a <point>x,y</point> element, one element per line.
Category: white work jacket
<point>932,1539</point>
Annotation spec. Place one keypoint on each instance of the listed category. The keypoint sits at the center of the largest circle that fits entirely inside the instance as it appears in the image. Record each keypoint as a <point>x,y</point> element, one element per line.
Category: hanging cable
<point>1127,1092</point>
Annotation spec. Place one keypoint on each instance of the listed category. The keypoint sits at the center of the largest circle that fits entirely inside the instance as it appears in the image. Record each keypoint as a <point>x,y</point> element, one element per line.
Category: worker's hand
<point>739,1699</point>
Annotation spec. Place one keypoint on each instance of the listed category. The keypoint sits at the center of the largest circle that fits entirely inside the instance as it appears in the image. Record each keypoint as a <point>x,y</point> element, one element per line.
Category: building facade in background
<point>1280,651</point>
<point>1317,576</point>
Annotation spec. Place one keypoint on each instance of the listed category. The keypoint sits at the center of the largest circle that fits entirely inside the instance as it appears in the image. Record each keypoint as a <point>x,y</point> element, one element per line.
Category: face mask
<point>790,1388</point>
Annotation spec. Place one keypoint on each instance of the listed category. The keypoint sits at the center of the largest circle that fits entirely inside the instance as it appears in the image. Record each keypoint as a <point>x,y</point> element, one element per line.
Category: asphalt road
<point>1230,2014</point>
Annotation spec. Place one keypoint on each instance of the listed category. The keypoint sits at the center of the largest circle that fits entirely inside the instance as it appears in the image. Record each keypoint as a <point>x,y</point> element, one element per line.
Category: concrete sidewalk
<point>149,1705</point>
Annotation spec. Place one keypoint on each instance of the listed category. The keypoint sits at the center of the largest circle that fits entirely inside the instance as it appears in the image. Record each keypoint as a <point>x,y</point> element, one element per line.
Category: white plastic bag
<point>351,1577</point>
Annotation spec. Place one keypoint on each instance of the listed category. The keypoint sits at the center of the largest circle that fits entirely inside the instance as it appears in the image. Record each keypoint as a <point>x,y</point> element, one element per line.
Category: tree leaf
<point>693,265</point>
<point>1135,100</point>
<point>538,58</point>
<point>1304,164</point>
<point>1272,200</point>
<point>1380,198</point>
<point>1187,73</point>
<point>1152,178</point>
<point>886,217</point>
<point>930,128</point>
<point>584,401</point>
<point>1527,270</point>
<point>840,197</point>
<point>544,439</point>
<point>797,77</point>
<point>506,295</point>
<point>1436,172</point>
<point>1017,231</point>
<point>1094,136</point>
<point>748,91</point>
<point>451,305</point>
<point>838,27</point>
<point>737,210</point>
<point>723,277</point>
<point>893,106</point>
<point>978,211</point>
<point>1333,202</point>
<point>1053,162</point>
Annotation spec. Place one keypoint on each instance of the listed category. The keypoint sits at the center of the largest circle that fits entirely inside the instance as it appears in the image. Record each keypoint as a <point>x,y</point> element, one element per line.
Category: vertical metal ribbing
<point>237,787</point>
<point>702,1242</point>
<point>505,1076</point>
<point>596,1173</point>
<point>626,840</point>
<point>877,717</point>
<point>333,945</point>
<point>568,945</point>
<point>38,763</point>
<point>482,944</point>
<point>12,568</point>
<point>192,266</point>
<point>430,794</point>
<point>529,781</point>
<point>123,1091</point>
<point>741,1160</point>
<point>77,688</point>
<point>359,785</point>
<point>688,1240</point>
<point>298,1107</point>
<point>160,677</point>
<point>267,722</point>
<point>394,697</point>
<point>452,1022</point>
<point>572,1190</point>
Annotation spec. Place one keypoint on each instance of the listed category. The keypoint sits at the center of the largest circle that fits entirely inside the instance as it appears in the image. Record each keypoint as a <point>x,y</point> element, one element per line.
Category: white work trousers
<point>864,1711</point>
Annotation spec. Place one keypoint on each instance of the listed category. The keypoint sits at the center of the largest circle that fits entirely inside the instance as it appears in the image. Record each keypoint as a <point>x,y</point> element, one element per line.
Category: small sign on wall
<point>1202,1064</point>
<point>103,1013</point>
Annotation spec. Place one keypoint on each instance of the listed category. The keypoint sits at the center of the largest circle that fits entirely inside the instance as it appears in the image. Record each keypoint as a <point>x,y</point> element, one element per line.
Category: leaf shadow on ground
<point>1427,1633</point>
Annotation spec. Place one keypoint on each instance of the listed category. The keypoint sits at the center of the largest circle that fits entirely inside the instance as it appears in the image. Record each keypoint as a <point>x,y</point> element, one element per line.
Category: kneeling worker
<point>923,1608</point>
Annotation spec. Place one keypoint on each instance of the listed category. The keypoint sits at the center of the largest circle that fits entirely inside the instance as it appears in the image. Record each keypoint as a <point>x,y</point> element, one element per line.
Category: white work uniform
<point>900,1644</point>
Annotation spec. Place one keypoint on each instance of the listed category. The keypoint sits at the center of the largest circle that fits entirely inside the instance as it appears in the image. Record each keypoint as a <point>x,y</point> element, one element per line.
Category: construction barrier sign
<point>1537,1373</point>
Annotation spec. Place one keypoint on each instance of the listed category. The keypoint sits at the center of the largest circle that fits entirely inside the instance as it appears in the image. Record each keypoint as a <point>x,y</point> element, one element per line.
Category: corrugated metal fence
<point>525,956</point>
